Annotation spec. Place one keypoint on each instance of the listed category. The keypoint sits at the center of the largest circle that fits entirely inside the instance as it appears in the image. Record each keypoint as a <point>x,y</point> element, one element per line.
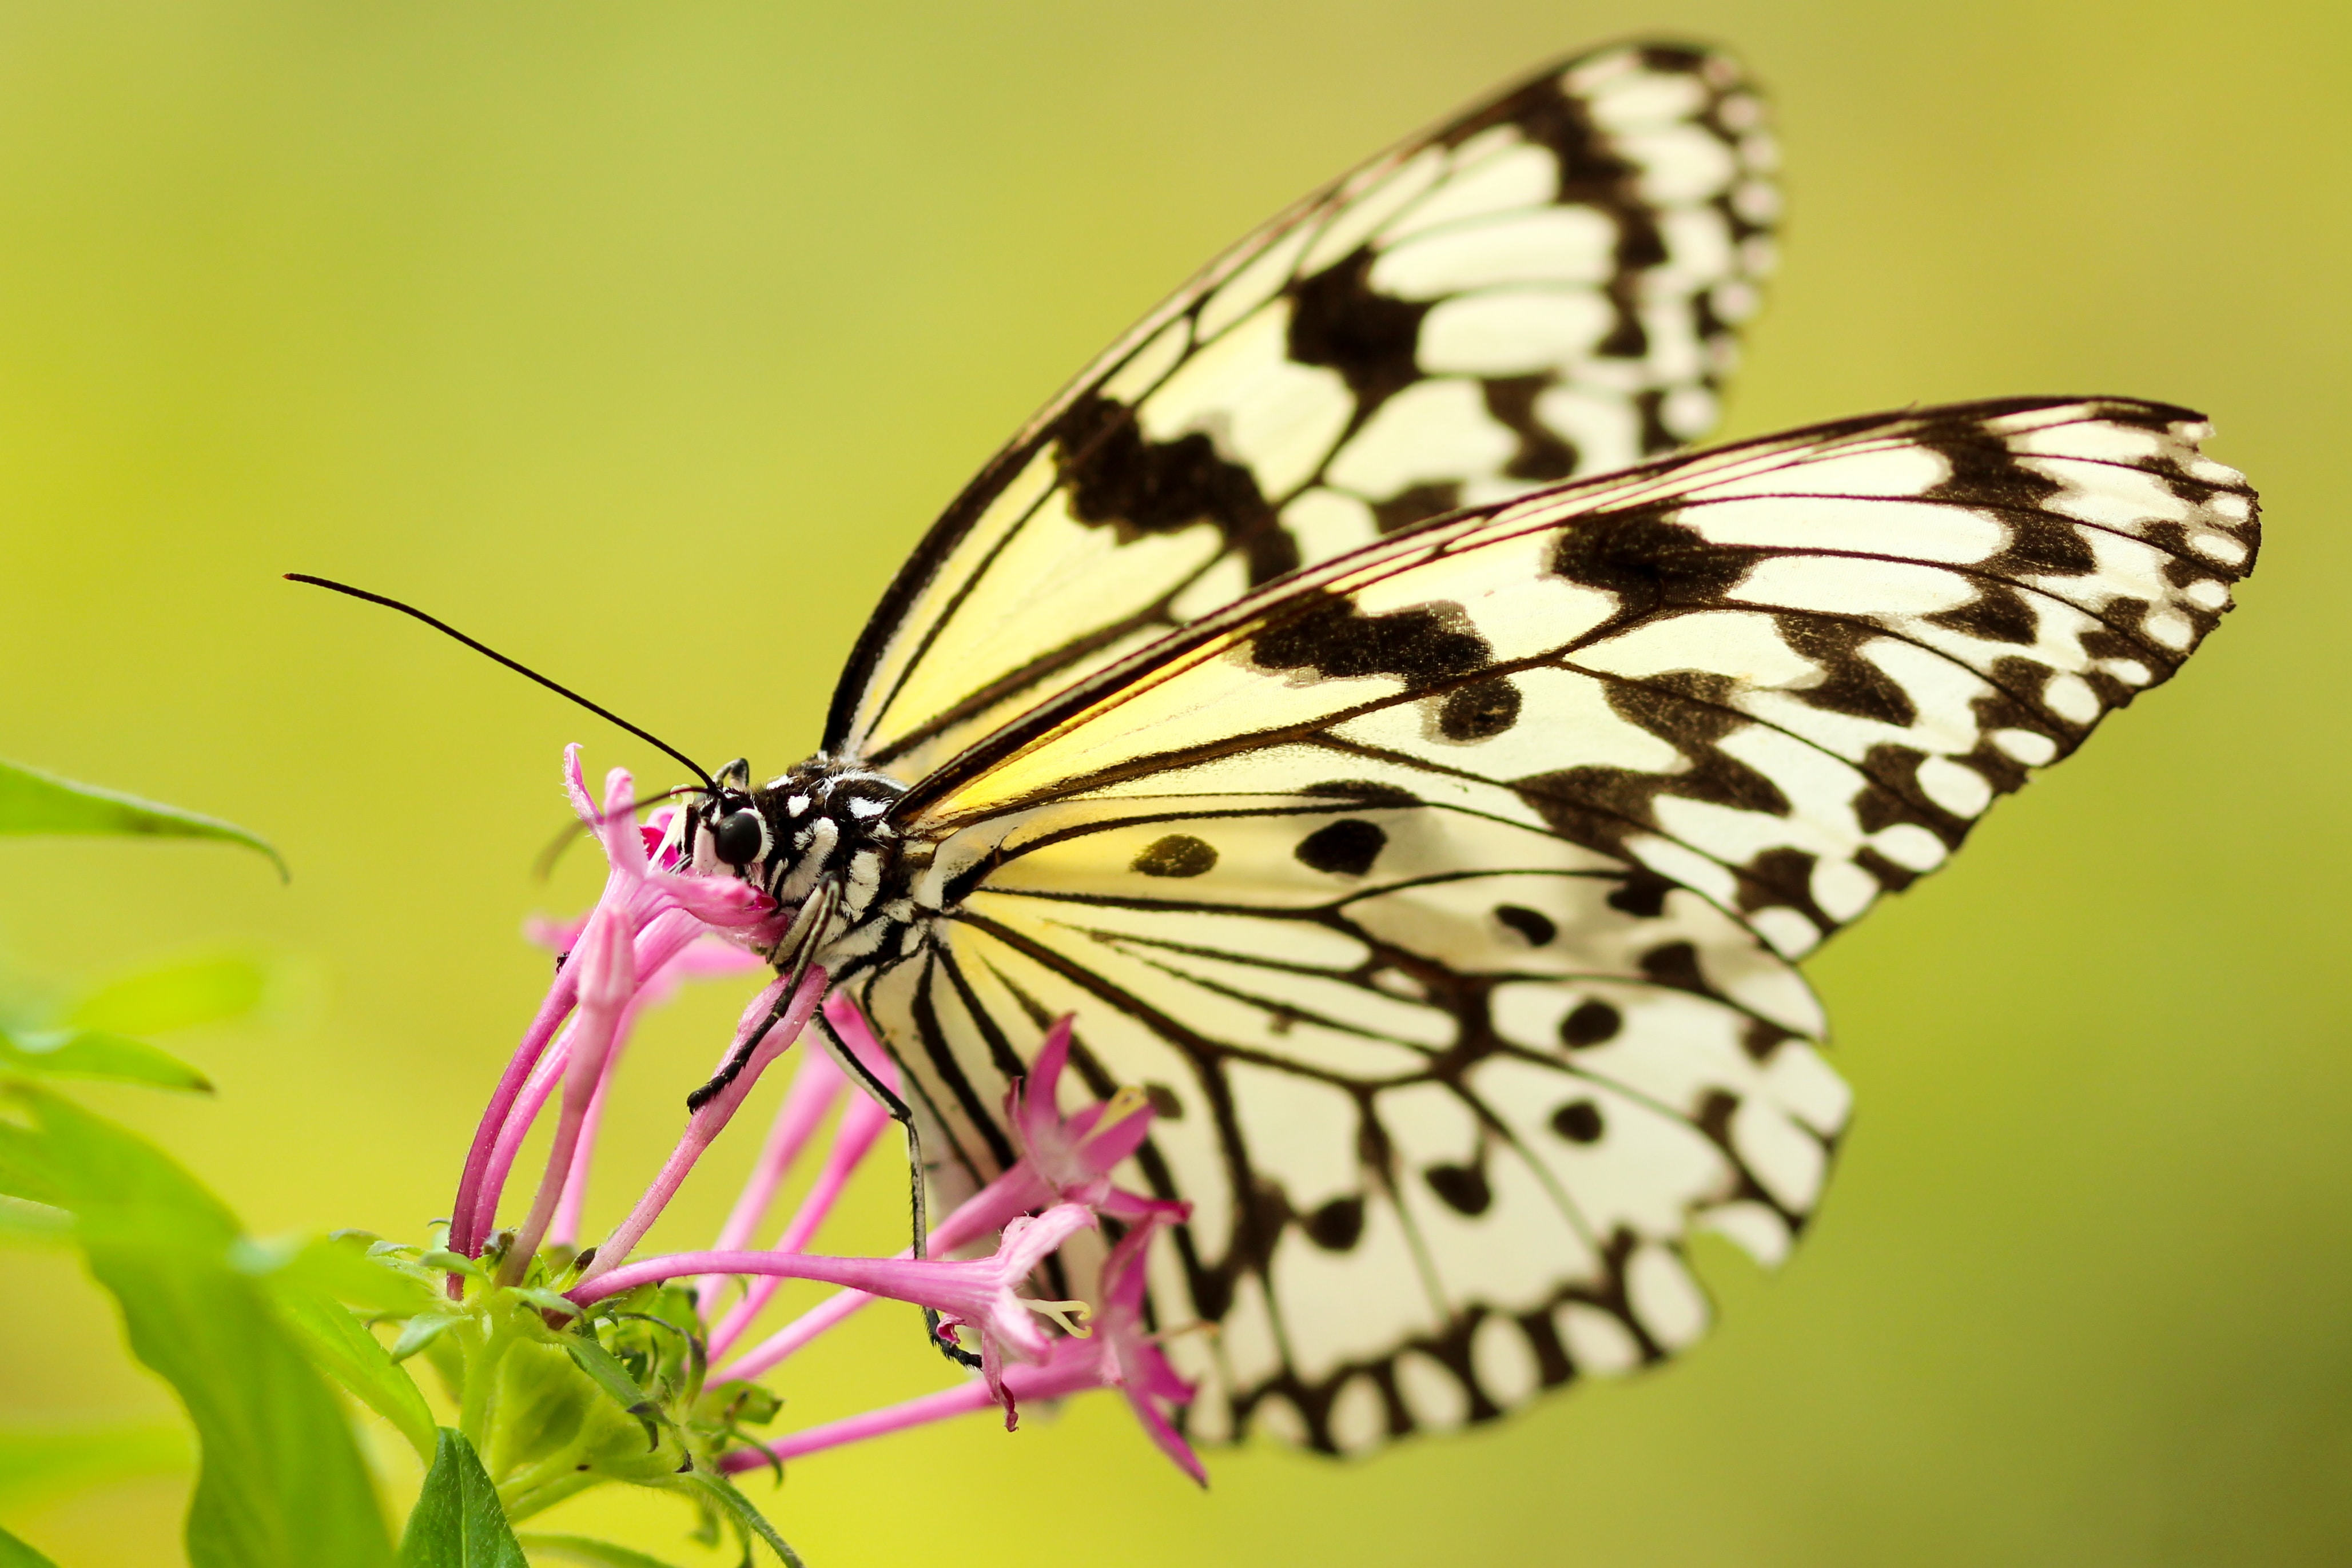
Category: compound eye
<point>740,837</point>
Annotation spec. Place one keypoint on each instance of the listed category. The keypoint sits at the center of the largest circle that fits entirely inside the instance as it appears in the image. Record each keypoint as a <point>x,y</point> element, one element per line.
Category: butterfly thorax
<point>819,840</point>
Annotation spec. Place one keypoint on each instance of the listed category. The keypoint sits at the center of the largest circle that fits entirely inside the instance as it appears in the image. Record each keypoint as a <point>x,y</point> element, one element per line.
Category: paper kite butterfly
<point>1422,777</point>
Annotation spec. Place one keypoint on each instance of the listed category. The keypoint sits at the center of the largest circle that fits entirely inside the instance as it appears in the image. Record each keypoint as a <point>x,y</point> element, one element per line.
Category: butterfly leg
<point>801,942</point>
<point>903,1115</point>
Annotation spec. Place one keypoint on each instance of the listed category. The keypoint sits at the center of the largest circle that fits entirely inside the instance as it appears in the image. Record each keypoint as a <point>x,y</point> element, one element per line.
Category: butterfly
<point>1420,774</point>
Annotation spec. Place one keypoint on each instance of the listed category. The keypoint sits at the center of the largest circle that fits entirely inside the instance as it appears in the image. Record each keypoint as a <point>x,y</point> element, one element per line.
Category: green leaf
<point>175,996</point>
<point>581,1549</point>
<point>458,1522</point>
<point>605,1370</point>
<point>25,1224</point>
<point>41,1464</point>
<point>90,1053</point>
<point>345,1268</point>
<point>35,802</point>
<point>14,1554</point>
<point>341,1347</point>
<point>282,1484</point>
<point>29,1167</point>
<point>738,1508</point>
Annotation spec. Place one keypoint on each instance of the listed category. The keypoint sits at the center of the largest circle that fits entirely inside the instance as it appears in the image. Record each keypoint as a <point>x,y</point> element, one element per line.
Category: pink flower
<point>1119,1352</point>
<point>658,922</point>
<point>643,922</point>
<point>978,1293</point>
<point>1073,1155</point>
<point>1124,1356</point>
<point>1064,1158</point>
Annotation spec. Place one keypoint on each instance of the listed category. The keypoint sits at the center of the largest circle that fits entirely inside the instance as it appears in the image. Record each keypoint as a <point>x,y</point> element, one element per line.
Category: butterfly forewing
<point>1444,895</point>
<point>1548,286</point>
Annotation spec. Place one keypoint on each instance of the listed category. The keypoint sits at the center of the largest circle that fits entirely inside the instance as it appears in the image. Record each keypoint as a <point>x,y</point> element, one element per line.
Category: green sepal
<point>458,1522</point>
<point>35,802</point>
<point>605,1370</point>
<point>547,1300</point>
<point>420,1332</point>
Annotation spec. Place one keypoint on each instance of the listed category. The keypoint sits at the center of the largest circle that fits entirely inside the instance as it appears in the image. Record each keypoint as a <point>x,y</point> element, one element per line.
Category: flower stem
<point>607,957</point>
<point>861,1124</point>
<point>466,1226</point>
<point>1013,1193</point>
<point>666,936</point>
<point>774,1030</point>
<point>815,1087</point>
<point>962,1400</point>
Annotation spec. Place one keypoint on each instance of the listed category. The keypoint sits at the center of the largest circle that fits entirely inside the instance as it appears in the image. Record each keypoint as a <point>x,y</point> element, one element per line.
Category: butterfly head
<point>821,826</point>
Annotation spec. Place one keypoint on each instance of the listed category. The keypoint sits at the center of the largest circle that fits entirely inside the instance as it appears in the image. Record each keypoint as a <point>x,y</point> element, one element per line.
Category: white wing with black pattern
<point>1445,896</point>
<point>1546,286</point>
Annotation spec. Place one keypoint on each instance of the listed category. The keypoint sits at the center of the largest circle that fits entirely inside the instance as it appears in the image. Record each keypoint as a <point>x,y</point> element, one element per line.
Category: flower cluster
<point>655,925</point>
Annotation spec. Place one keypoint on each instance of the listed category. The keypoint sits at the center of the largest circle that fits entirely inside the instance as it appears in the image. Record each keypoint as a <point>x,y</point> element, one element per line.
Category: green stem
<point>564,1461</point>
<point>478,1408</point>
<point>539,1499</point>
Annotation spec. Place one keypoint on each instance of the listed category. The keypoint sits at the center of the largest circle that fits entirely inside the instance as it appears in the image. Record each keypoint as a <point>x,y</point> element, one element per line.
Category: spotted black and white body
<point>1427,816</point>
<point>822,826</point>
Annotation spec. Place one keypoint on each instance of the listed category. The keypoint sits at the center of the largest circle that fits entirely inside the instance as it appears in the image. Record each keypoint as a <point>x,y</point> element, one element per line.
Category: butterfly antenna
<point>522,669</point>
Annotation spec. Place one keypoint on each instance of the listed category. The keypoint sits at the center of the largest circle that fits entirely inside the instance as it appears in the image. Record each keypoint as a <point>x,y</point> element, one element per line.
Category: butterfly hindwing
<point>1548,286</point>
<point>1445,897</point>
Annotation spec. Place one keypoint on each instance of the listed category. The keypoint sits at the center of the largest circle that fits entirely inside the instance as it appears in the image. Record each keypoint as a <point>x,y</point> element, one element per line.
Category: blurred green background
<point>644,340</point>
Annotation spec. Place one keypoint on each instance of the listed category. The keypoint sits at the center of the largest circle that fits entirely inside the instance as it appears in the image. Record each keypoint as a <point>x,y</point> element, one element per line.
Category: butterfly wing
<point>1547,285</point>
<point>1445,897</point>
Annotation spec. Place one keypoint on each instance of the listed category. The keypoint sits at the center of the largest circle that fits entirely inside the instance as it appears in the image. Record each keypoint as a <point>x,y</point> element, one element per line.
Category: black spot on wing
<point>1850,683</point>
<point>1675,963</point>
<point>1338,321</point>
<point>1647,563</point>
<point>1983,469</point>
<point>1363,792</point>
<point>1178,855</point>
<point>1118,478</point>
<point>1416,503</point>
<point>1462,1188</point>
<point>1781,875</point>
<point>1893,795</point>
<point>1537,929</point>
<point>1593,174</point>
<point>1590,1023</point>
<point>1480,710</point>
<point>2042,545</point>
<point>1998,613</point>
<point>1544,453</point>
<point>1642,893</point>
<point>1328,638</point>
<point>1338,1225</point>
<point>1578,1121</point>
<point>1600,807</point>
<point>1346,847</point>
